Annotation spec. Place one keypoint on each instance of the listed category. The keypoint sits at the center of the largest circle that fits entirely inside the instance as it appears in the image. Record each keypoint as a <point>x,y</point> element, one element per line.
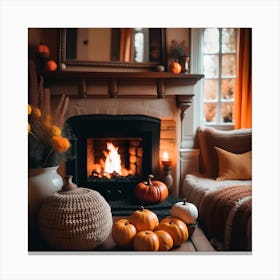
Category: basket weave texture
<point>78,219</point>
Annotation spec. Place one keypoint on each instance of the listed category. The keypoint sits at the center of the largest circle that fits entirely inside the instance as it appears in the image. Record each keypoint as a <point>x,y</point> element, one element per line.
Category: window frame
<point>219,101</point>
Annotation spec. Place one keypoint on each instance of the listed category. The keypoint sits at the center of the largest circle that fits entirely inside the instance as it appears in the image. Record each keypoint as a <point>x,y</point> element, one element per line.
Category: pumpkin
<point>165,240</point>
<point>176,228</point>
<point>123,232</point>
<point>143,219</point>
<point>151,191</point>
<point>43,50</point>
<point>51,65</point>
<point>175,67</point>
<point>146,240</point>
<point>185,211</point>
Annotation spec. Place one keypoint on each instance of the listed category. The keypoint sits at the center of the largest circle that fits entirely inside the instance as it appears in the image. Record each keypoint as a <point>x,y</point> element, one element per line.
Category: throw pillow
<point>236,141</point>
<point>234,166</point>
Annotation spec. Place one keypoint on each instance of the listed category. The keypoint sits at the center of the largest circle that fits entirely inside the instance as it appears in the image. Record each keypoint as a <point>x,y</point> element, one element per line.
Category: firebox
<point>112,153</point>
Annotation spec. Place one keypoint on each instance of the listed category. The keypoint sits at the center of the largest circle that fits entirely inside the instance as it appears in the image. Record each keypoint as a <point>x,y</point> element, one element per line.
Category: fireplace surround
<point>135,139</point>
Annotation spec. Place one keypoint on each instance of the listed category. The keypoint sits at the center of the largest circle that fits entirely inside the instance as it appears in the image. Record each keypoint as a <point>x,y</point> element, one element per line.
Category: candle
<point>166,162</point>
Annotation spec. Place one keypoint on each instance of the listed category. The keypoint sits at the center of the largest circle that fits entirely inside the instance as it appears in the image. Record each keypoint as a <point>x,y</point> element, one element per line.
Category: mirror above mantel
<point>112,48</point>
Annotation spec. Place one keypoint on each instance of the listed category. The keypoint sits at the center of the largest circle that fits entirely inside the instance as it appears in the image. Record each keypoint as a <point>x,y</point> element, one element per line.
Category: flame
<point>165,156</point>
<point>113,160</point>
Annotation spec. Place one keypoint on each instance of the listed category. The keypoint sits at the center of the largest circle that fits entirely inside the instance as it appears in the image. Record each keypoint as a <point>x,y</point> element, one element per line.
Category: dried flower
<point>47,145</point>
<point>60,144</point>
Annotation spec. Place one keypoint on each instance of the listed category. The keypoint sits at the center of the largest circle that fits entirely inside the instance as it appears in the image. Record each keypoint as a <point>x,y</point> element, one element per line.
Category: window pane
<point>210,89</point>
<point>227,112</point>
<point>210,111</point>
<point>211,65</point>
<point>228,88</point>
<point>228,40</point>
<point>211,40</point>
<point>228,65</point>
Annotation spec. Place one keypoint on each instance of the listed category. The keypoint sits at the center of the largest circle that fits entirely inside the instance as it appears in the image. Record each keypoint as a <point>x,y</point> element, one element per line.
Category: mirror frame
<point>107,64</point>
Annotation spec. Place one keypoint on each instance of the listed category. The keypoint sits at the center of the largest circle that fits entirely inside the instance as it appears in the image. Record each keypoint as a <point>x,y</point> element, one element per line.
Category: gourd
<point>43,50</point>
<point>176,228</point>
<point>175,67</point>
<point>151,191</point>
<point>51,65</point>
<point>185,211</point>
<point>146,240</point>
<point>165,240</point>
<point>143,219</point>
<point>123,232</point>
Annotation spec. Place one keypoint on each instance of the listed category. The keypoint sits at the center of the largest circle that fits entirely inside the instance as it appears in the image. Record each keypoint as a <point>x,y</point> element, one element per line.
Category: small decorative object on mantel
<point>75,218</point>
<point>151,191</point>
<point>43,59</point>
<point>175,67</point>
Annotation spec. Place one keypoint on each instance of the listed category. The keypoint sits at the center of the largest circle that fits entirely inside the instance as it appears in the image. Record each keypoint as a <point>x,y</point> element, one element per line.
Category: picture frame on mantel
<point>178,47</point>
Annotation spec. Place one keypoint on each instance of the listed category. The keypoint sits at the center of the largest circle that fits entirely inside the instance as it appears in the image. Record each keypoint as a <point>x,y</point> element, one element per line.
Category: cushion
<point>236,141</point>
<point>234,166</point>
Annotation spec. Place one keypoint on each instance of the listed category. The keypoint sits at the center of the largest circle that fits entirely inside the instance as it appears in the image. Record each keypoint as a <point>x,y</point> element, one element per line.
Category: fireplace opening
<point>113,152</point>
<point>114,159</point>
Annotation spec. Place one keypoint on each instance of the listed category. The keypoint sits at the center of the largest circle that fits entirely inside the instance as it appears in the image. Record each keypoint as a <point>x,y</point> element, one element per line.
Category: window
<point>219,59</point>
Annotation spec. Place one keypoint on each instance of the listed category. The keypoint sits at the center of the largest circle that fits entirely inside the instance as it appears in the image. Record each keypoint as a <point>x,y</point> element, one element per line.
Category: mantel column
<point>183,103</point>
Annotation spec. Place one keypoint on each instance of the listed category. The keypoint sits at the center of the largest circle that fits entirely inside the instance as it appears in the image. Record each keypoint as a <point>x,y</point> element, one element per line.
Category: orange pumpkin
<point>175,67</point>
<point>123,232</point>
<point>43,50</point>
<point>165,240</point>
<point>146,240</point>
<point>143,219</point>
<point>176,228</point>
<point>151,191</point>
<point>51,65</point>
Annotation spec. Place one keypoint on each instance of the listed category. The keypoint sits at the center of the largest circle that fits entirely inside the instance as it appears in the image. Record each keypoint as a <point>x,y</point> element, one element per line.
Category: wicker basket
<point>75,218</point>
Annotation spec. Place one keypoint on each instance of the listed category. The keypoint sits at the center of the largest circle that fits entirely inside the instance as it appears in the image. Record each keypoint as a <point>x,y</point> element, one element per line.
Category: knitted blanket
<point>226,214</point>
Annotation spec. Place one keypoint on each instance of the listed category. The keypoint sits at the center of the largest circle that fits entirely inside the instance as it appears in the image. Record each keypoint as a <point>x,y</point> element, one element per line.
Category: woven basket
<point>75,218</point>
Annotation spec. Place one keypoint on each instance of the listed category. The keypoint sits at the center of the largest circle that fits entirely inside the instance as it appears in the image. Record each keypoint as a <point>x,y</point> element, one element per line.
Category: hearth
<point>113,152</point>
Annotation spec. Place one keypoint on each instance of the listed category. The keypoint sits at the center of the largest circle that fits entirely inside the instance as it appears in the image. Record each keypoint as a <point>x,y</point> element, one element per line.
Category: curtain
<point>125,44</point>
<point>243,97</point>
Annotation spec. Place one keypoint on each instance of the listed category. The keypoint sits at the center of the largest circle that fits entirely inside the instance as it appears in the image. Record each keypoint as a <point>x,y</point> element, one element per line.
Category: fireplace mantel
<point>162,84</point>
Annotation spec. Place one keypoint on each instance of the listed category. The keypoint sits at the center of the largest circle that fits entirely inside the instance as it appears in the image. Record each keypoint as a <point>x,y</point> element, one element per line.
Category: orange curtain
<point>243,97</point>
<point>125,44</point>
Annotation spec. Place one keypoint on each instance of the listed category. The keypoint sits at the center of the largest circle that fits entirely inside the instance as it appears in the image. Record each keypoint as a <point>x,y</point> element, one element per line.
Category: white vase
<point>42,182</point>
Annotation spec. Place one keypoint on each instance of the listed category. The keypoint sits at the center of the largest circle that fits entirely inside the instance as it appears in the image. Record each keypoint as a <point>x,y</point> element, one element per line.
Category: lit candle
<point>166,162</point>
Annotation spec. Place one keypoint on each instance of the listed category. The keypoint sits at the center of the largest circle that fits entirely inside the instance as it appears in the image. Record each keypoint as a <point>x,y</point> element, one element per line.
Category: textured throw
<point>226,214</point>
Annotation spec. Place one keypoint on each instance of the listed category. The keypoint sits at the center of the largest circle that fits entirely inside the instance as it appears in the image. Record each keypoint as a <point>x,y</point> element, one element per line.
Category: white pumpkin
<point>185,211</point>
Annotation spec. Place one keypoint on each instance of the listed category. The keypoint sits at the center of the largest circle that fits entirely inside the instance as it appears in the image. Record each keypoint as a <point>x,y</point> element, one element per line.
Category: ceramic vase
<point>42,182</point>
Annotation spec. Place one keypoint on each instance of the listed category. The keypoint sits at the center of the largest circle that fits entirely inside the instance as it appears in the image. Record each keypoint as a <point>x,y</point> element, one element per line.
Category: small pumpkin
<point>123,232</point>
<point>51,65</point>
<point>176,228</point>
<point>43,50</point>
<point>175,67</point>
<point>146,240</point>
<point>185,211</point>
<point>165,240</point>
<point>143,219</point>
<point>151,191</point>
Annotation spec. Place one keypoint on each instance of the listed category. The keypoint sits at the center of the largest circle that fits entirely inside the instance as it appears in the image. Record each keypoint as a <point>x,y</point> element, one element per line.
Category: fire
<point>113,160</point>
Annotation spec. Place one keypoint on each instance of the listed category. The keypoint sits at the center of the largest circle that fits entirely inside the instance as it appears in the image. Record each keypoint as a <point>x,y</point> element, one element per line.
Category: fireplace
<point>112,153</point>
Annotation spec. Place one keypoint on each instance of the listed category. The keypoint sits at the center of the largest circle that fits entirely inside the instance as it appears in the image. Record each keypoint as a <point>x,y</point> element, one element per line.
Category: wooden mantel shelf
<point>161,80</point>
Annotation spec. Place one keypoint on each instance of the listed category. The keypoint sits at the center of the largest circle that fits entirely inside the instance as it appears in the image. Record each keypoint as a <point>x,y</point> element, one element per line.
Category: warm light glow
<point>113,160</point>
<point>165,156</point>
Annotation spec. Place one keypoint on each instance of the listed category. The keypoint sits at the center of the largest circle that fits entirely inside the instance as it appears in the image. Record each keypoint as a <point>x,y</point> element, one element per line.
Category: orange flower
<point>29,109</point>
<point>55,130</point>
<point>59,143</point>
<point>36,112</point>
